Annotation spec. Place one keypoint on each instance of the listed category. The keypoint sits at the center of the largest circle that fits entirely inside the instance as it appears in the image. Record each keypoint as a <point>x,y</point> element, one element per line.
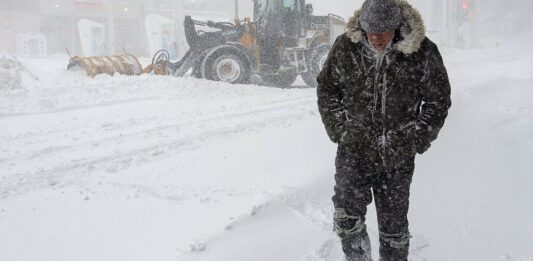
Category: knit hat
<point>380,16</point>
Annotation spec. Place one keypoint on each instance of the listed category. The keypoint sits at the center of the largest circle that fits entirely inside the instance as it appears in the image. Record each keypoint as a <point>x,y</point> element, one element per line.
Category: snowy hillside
<point>163,168</point>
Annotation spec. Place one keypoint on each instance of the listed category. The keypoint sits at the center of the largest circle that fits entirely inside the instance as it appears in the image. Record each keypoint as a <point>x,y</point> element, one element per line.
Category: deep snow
<point>163,168</point>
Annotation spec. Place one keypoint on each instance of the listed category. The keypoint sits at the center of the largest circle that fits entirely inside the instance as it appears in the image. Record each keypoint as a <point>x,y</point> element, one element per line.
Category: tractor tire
<point>316,58</point>
<point>282,80</point>
<point>227,67</point>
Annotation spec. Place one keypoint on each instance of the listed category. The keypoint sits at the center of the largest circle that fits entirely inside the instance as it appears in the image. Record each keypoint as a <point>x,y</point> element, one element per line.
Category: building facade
<point>103,27</point>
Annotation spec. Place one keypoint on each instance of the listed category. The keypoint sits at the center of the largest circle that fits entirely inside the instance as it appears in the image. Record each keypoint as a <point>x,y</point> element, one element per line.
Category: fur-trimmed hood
<point>412,29</point>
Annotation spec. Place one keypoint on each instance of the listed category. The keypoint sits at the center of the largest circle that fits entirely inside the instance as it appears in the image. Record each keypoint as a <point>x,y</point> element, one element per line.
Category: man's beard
<point>381,50</point>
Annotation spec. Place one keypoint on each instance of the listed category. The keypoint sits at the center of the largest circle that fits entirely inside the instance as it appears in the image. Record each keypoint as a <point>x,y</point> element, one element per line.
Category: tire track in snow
<point>123,132</point>
<point>35,134</point>
<point>71,171</point>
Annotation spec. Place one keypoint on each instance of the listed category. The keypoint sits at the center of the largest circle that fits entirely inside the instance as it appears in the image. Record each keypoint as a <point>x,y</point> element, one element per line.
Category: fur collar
<point>412,29</point>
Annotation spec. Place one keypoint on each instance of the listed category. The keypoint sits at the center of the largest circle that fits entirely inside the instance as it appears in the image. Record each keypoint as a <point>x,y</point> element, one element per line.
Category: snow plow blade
<point>125,64</point>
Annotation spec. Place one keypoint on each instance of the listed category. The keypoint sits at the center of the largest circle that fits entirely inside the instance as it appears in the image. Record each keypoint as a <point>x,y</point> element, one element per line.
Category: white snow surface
<point>163,168</point>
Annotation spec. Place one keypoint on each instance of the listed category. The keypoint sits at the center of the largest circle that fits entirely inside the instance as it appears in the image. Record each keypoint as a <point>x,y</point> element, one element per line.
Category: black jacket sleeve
<point>329,92</point>
<point>435,94</point>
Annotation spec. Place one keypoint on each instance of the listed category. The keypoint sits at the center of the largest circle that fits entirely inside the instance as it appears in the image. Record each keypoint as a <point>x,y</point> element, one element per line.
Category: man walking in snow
<point>383,95</point>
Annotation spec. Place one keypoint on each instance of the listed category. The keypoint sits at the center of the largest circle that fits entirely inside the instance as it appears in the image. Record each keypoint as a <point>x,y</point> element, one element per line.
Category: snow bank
<point>163,168</point>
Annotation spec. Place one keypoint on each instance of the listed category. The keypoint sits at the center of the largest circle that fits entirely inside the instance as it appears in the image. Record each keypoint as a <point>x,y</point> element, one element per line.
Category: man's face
<point>380,40</point>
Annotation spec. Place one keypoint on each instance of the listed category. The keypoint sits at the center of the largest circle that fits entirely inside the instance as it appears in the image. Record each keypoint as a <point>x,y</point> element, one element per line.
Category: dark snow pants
<point>358,176</point>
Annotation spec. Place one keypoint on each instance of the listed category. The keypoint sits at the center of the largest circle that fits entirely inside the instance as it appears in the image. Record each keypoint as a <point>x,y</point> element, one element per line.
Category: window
<point>289,4</point>
<point>260,9</point>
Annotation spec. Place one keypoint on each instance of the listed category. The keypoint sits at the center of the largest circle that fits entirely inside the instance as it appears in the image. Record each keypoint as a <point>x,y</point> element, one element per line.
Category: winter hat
<point>380,16</point>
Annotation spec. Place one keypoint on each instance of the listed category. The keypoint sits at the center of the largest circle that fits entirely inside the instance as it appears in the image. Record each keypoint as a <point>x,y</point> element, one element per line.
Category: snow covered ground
<point>163,168</point>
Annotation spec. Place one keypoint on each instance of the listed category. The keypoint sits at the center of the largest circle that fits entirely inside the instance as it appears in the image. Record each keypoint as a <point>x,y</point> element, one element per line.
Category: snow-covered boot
<point>354,238</point>
<point>393,247</point>
<point>357,248</point>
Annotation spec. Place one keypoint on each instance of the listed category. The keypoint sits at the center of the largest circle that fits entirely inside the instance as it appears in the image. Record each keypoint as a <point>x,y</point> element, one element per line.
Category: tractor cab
<point>280,23</point>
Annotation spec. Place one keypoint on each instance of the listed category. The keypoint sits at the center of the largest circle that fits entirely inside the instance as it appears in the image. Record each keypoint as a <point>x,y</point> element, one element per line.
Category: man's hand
<point>349,136</point>
<point>355,133</point>
<point>400,141</point>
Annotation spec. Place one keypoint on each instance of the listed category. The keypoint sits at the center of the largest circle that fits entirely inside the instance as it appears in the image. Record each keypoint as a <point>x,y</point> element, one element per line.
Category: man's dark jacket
<point>398,101</point>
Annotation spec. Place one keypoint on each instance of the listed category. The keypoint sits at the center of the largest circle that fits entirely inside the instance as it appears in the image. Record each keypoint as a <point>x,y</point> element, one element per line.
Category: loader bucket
<point>126,64</point>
